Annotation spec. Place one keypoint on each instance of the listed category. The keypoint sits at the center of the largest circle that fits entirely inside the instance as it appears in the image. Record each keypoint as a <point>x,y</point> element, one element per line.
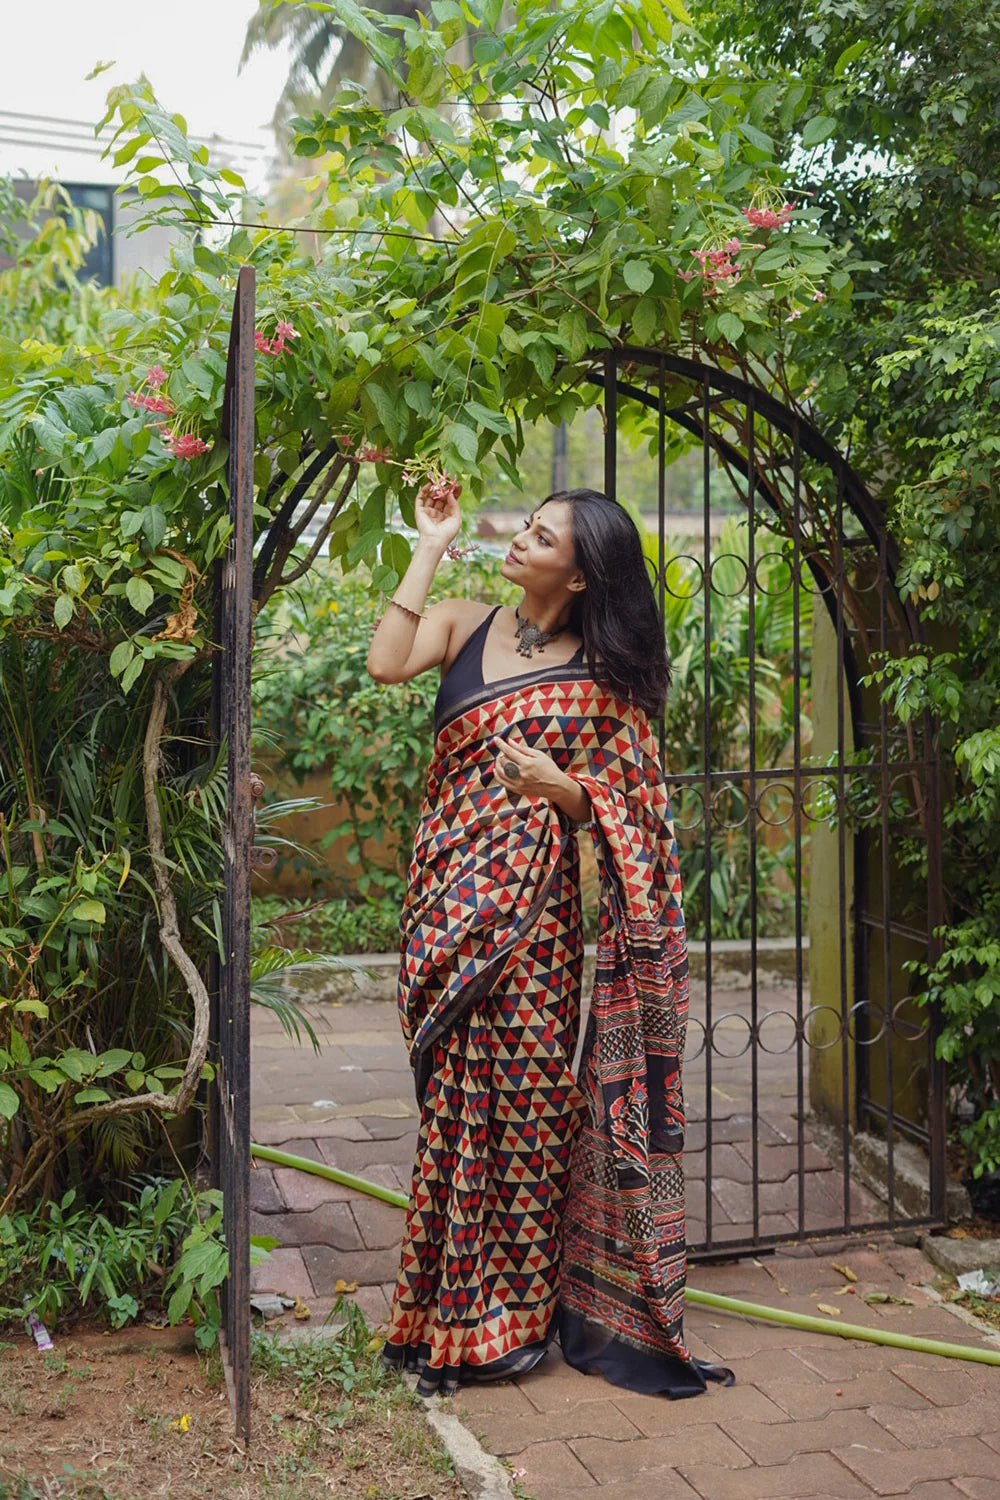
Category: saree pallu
<point>489,997</point>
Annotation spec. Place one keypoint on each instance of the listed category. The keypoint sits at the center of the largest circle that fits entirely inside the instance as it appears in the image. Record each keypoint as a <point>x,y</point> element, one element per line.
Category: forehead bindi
<point>553,520</point>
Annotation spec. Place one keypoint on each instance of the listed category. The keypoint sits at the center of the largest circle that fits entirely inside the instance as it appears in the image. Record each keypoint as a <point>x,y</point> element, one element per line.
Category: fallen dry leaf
<point>881,1297</point>
<point>824,1307</point>
<point>844,1271</point>
<point>956,1232</point>
<point>844,1291</point>
<point>782,1288</point>
<point>300,1311</point>
<point>345,1286</point>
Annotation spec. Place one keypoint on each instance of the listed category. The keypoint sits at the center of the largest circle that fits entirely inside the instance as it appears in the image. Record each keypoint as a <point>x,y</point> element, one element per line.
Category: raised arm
<point>407,641</point>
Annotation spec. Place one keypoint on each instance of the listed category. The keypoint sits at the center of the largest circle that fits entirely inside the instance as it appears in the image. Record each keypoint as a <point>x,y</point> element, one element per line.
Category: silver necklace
<point>529,636</point>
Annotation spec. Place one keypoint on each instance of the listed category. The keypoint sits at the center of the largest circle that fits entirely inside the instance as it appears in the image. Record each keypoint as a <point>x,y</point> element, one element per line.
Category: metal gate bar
<point>230,1093</point>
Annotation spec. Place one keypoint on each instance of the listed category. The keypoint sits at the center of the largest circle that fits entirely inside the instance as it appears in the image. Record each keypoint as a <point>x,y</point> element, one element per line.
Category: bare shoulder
<point>462,616</point>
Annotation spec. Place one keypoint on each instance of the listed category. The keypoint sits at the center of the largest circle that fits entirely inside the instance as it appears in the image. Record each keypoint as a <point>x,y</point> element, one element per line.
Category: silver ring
<point>511,770</point>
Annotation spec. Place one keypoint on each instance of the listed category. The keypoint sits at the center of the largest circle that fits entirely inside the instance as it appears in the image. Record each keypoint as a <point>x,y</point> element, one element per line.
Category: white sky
<point>189,49</point>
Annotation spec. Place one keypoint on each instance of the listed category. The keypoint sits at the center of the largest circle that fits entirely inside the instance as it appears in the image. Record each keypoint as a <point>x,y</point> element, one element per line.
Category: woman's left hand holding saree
<point>527,772</point>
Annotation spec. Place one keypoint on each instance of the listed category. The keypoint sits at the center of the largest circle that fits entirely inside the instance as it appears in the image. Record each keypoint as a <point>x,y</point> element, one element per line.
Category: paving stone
<point>278,1133</point>
<point>264,1195</point>
<point>331,1224</point>
<point>651,1484</point>
<point>943,1489</point>
<point>284,1272</point>
<point>308,1084</point>
<point>327,1266</point>
<point>304,1145</point>
<point>508,1432</point>
<point>895,1473</point>
<point>979,1489</point>
<point>387,1108</point>
<point>551,1471</point>
<point>804,1402</point>
<point>381,1224</point>
<point>775,1163</point>
<point>489,1399</point>
<point>553,1385</point>
<point>937,1489</point>
<point>382,1127</point>
<point>808,1474</point>
<point>941,1384</point>
<point>736,1338</point>
<point>839,1360</point>
<point>360,1156</point>
<point>776,1443</point>
<point>776,1363</point>
<point>302,1192</point>
<point>611,1462</point>
<point>973,1418</point>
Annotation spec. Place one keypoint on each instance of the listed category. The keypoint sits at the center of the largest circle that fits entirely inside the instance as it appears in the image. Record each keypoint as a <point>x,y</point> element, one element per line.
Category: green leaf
<point>850,54</point>
<point>34,1007</point>
<point>113,1061</point>
<point>487,417</point>
<point>91,1096</point>
<point>818,129</point>
<point>396,553</point>
<point>755,137</point>
<point>131,672</point>
<point>120,657</point>
<point>644,320</point>
<point>72,578</point>
<point>139,594</point>
<point>88,910</point>
<point>154,526</point>
<point>130,522</point>
<point>9,1102</point>
<point>638,275</point>
<point>63,611</point>
<point>730,326</point>
<point>19,1049</point>
<point>464,441</point>
<point>418,396</point>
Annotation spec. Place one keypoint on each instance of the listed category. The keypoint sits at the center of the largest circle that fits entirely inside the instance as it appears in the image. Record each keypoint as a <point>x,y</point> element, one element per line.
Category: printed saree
<point>531,1189</point>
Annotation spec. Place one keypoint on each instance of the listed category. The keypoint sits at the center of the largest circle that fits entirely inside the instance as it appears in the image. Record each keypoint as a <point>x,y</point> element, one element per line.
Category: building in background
<point>38,147</point>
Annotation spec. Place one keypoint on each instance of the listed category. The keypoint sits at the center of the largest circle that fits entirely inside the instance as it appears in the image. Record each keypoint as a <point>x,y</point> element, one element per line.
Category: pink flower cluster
<point>715,266</point>
<point>768,218</point>
<point>184,444</point>
<point>180,444</point>
<point>282,333</point>
<point>456,553</point>
<point>439,488</point>
<point>151,403</point>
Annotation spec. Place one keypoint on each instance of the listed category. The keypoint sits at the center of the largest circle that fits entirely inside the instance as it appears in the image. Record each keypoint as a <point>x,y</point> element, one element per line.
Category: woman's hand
<point>532,773</point>
<point>438,518</point>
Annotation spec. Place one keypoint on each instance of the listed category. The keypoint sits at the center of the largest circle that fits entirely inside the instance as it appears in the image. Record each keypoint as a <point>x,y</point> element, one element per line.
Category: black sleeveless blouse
<point>464,677</point>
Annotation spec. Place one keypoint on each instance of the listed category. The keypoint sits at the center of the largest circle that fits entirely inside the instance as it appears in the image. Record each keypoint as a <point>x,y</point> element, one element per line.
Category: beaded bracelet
<point>411,612</point>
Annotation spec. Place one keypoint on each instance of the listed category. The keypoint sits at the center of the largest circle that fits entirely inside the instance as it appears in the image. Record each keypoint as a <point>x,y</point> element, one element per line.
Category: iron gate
<point>812,770</point>
<point>229,1098</point>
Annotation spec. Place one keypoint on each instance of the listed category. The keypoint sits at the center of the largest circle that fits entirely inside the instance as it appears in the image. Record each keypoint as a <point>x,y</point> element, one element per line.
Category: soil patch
<point>140,1413</point>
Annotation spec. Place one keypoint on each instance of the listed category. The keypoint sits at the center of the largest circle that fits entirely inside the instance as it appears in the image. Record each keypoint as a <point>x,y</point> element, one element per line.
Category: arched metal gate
<point>809,775</point>
<point>793,766</point>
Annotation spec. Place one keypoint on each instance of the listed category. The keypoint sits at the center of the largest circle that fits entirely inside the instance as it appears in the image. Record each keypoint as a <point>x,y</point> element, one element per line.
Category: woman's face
<point>541,557</point>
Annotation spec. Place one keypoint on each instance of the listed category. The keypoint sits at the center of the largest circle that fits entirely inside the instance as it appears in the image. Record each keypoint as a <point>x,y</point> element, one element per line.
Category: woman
<point>530,1187</point>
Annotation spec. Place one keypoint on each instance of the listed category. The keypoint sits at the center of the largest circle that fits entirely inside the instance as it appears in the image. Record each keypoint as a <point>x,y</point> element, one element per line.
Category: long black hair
<point>616,614</point>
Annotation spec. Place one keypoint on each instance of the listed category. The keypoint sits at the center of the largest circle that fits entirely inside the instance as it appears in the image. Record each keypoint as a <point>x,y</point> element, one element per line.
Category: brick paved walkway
<point>811,1418</point>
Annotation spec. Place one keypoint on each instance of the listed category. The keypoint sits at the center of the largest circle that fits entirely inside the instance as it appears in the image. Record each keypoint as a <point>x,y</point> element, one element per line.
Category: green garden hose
<point>703,1299</point>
